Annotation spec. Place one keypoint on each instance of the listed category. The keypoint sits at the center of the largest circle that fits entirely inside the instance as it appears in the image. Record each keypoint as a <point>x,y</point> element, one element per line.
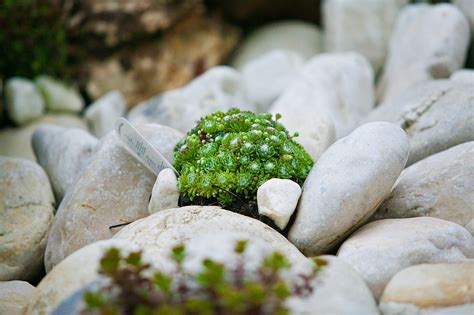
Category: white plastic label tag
<point>143,150</point>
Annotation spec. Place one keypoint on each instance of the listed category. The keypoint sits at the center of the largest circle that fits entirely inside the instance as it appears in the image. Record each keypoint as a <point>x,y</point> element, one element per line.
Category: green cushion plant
<point>228,155</point>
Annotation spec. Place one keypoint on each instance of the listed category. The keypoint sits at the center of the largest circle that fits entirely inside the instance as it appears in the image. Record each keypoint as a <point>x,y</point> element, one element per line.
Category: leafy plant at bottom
<point>135,288</point>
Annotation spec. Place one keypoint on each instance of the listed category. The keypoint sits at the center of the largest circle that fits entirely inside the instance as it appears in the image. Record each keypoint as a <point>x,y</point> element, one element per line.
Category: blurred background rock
<point>139,47</point>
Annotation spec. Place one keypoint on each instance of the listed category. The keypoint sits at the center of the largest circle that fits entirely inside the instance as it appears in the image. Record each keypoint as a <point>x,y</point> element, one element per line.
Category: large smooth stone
<point>102,115</point>
<point>112,188</point>
<point>347,184</point>
<point>338,290</point>
<point>16,142</point>
<point>313,123</point>
<point>363,26</point>
<point>331,91</point>
<point>217,89</point>
<point>467,9</point>
<point>181,227</point>
<point>380,249</point>
<point>62,152</point>
<point>77,270</point>
<point>303,38</point>
<point>428,42</point>
<point>430,289</point>
<point>26,214</point>
<point>165,192</point>
<point>266,77</point>
<point>24,102</point>
<point>58,96</point>
<point>14,296</point>
<point>436,115</point>
<point>440,186</point>
<point>463,76</point>
<point>161,231</point>
<point>340,84</point>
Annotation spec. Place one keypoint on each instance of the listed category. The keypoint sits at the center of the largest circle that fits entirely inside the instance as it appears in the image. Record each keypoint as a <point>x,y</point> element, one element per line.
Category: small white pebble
<point>165,193</point>
<point>277,200</point>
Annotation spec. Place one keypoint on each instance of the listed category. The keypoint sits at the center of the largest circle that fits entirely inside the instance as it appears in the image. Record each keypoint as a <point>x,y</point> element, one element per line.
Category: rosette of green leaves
<point>228,155</point>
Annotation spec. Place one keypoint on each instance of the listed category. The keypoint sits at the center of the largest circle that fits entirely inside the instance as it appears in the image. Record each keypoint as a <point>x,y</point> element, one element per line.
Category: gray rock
<point>422,47</point>
<point>303,38</point>
<point>467,8</point>
<point>71,274</point>
<point>332,89</point>
<point>277,200</point>
<point>217,89</point>
<point>58,96</point>
<point>198,227</point>
<point>14,296</point>
<point>347,184</point>
<point>24,102</point>
<point>338,290</point>
<point>16,142</point>
<point>380,249</point>
<point>165,194</point>
<point>430,289</point>
<point>341,84</point>
<point>26,214</point>
<point>62,152</point>
<point>436,115</point>
<point>363,26</point>
<point>112,188</point>
<point>463,76</point>
<point>310,119</point>
<point>195,227</point>
<point>103,113</point>
<point>440,186</point>
<point>266,77</point>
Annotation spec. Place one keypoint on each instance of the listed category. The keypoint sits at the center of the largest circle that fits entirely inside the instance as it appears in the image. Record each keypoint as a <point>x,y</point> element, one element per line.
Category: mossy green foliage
<point>227,156</point>
<point>32,38</point>
<point>135,288</point>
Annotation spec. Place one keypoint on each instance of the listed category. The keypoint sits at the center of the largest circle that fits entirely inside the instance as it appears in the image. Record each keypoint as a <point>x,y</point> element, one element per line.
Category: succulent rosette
<point>228,155</point>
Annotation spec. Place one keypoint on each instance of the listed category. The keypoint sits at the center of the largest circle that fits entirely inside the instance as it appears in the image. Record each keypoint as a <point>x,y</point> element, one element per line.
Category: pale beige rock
<point>62,152</point>
<point>463,76</point>
<point>326,101</point>
<point>467,9</point>
<point>58,96</point>
<point>23,100</point>
<point>363,26</point>
<point>165,194</point>
<point>277,200</point>
<point>77,270</point>
<point>303,38</point>
<point>338,290</point>
<point>217,89</point>
<point>159,232</point>
<point>316,131</point>
<point>26,214</point>
<point>266,77</point>
<point>14,296</point>
<point>16,142</point>
<point>112,188</point>
<point>347,184</point>
<point>423,47</point>
<point>440,186</point>
<point>103,113</point>
<point>436,115</point>
<point>382,248</point>
<point>429,288</point>
<point>341,84</point>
